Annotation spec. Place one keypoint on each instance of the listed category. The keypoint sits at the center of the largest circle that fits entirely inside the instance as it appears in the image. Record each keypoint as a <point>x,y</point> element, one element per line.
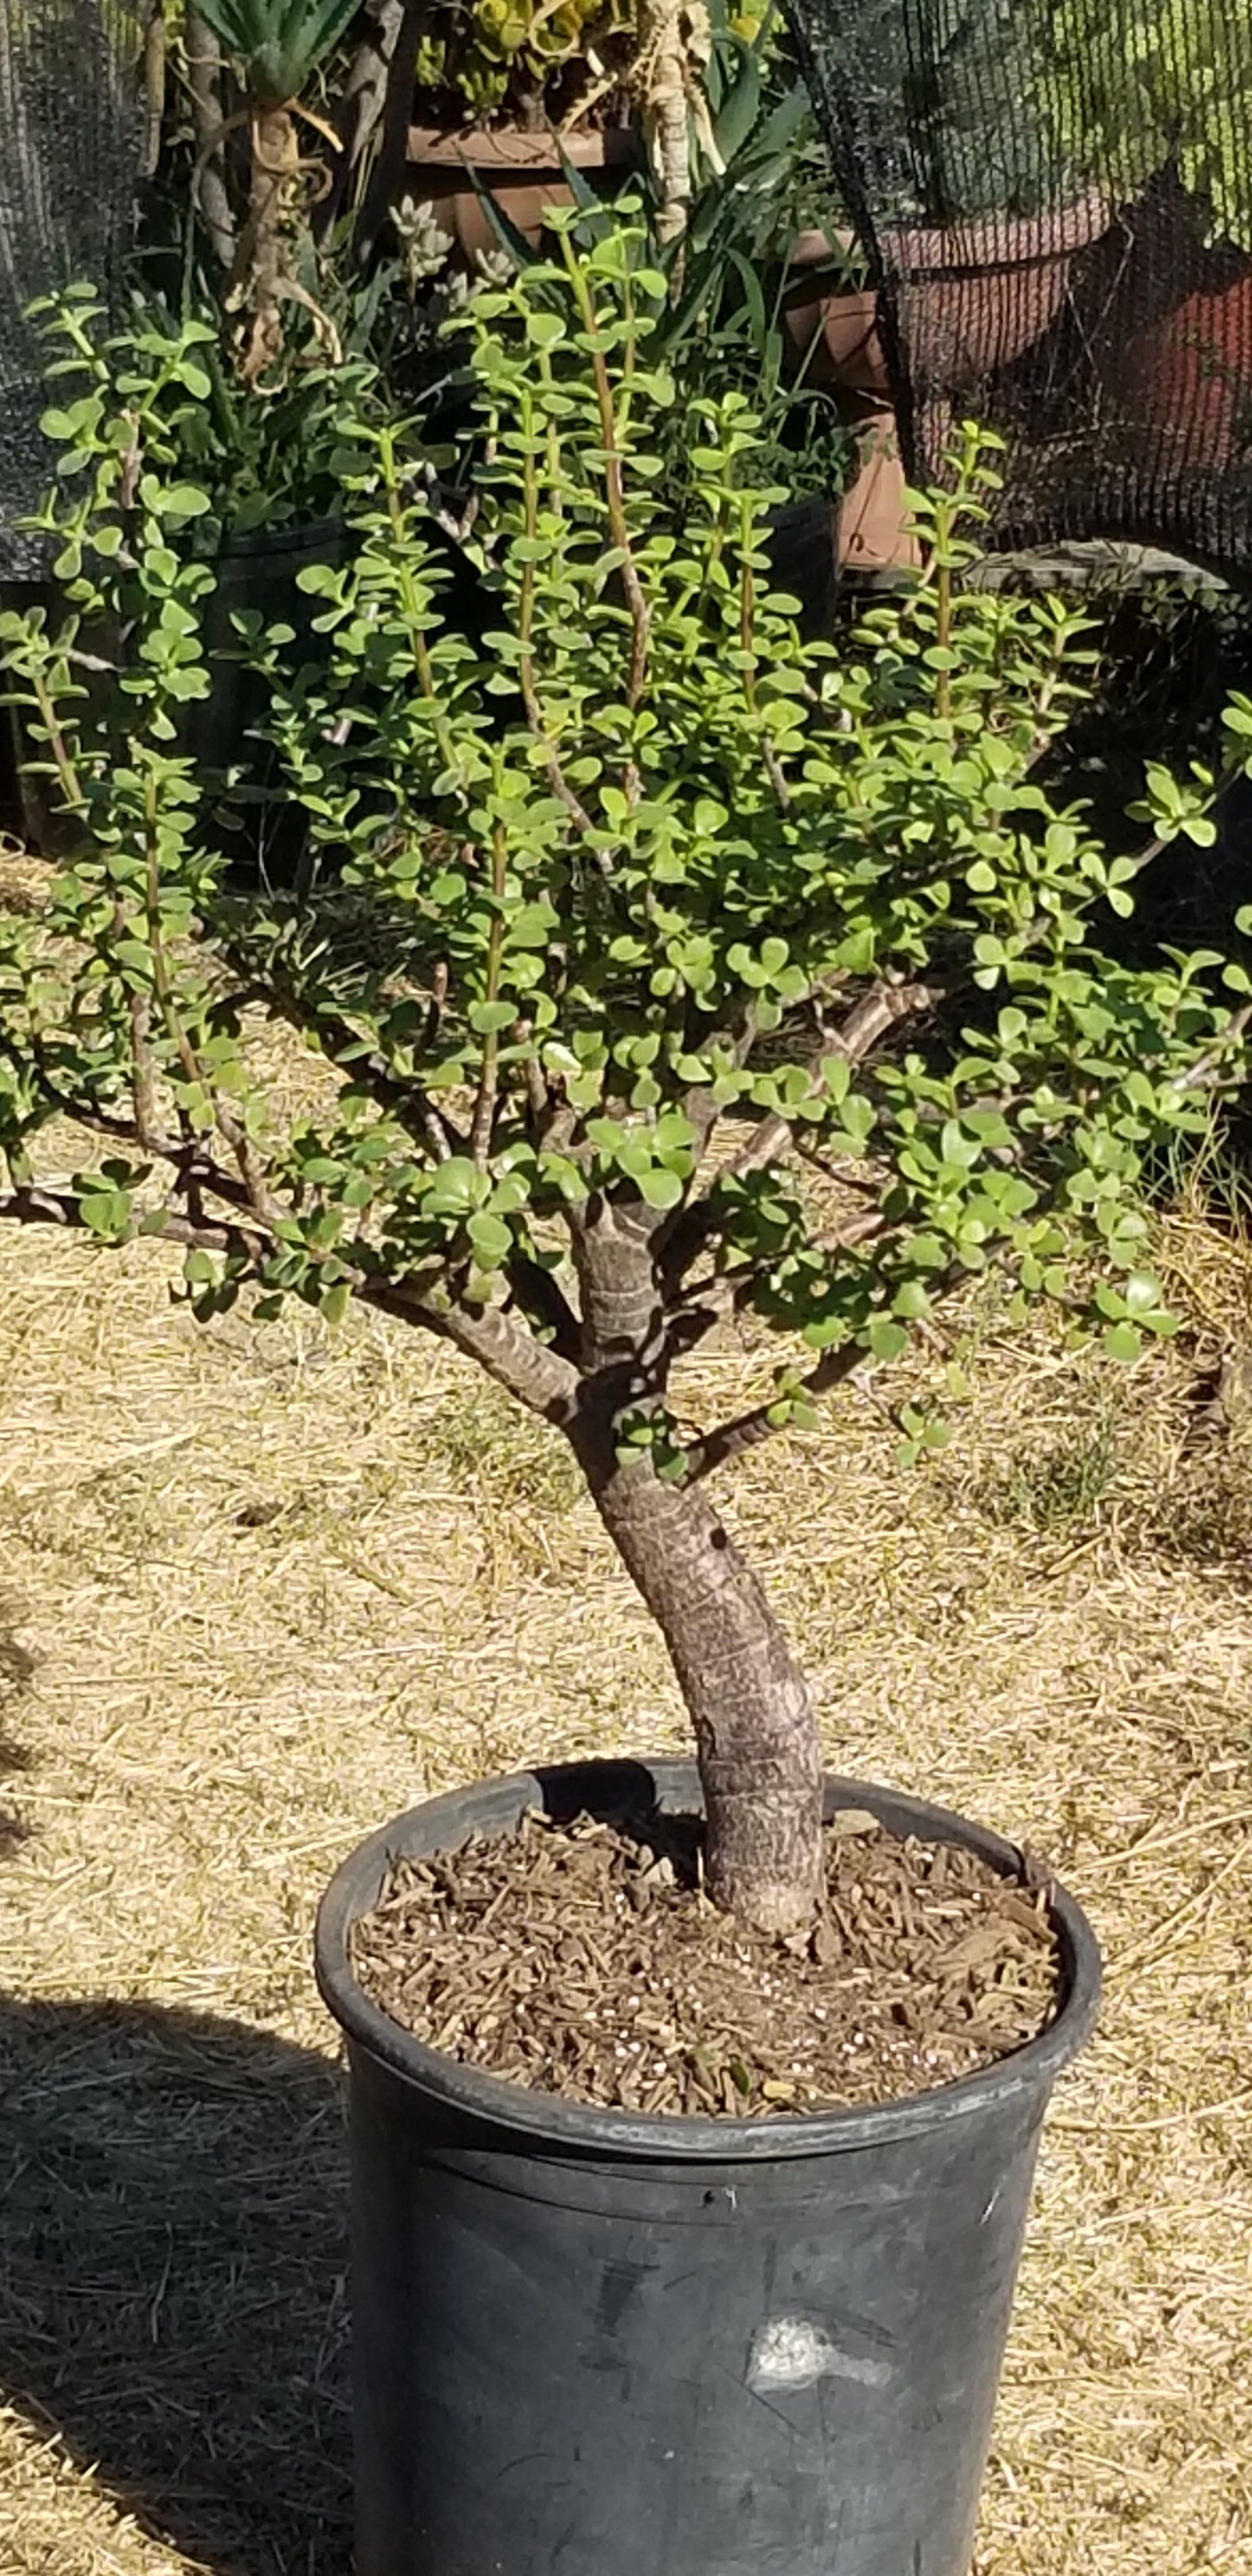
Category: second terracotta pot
<point>522,172</point>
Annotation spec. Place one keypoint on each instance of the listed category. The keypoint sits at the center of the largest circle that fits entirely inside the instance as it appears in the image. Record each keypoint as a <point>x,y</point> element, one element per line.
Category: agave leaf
<point>277,43</point>
<point>520,250</point>
<point>233,22</point>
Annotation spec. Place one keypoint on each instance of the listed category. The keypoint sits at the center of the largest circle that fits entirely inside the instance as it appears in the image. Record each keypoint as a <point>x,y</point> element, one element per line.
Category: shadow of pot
<point>522,172</point>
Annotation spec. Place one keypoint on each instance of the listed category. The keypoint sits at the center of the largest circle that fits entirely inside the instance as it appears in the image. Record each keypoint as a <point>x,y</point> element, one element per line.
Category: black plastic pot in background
<point>255,823</point>
<point>261,832</point>
<point>258,573</point>
<point>593,2344</point>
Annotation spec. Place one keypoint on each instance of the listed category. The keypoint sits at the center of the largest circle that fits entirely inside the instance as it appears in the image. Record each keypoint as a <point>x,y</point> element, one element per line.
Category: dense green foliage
<point>1133,86</point>
<point>633,914</point>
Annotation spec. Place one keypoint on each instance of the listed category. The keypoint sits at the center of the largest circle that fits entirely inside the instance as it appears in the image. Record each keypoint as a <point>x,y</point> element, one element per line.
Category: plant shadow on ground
<point>18,1667</point>
<point>1187,1497</point>
<point>172,2274</point>
<point>1057,1486</point>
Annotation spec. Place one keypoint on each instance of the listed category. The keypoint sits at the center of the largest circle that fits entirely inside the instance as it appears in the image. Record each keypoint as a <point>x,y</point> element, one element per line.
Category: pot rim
<point>977,243</point>
<point>506,149</point>
<point>588,2128</point>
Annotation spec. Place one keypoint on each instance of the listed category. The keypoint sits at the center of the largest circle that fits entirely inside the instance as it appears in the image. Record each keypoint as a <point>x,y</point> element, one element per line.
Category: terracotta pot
<point>522,171</point>
<point>874,533</point>
<point>1187,376</point>
<point>838,335</point>
<point>837,332</point>
<point>971,299</point>
<point>975,296</point>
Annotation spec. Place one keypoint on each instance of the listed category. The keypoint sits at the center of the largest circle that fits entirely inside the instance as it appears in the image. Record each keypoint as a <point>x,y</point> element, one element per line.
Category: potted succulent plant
<point>978,223</point>
<point>1155,99</point>
<point>514,97</point>
<point>622,941</point>
<point>505,105</point>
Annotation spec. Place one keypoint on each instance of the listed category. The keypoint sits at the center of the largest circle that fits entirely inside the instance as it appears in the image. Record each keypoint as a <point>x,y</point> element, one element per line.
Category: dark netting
<point>1055,201</point>
<point>70,131</point>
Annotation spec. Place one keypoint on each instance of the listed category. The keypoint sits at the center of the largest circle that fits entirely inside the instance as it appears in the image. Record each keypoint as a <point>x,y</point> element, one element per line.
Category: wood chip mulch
<point>584,1961</point>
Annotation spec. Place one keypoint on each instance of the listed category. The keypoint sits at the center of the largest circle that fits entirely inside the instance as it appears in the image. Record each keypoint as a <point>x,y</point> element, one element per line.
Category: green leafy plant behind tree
<point>619,934</point>
<point>1131,86</point>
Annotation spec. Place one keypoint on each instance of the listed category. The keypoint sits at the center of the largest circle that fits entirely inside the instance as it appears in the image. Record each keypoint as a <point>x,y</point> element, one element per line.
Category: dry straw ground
<point>263,1587</point>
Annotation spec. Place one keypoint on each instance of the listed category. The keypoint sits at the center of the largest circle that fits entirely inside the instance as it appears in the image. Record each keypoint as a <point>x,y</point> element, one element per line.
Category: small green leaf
<point>887,1339</point>
<point>453,1188</point>
<point>491,1238</point>
<point>659,1187</point>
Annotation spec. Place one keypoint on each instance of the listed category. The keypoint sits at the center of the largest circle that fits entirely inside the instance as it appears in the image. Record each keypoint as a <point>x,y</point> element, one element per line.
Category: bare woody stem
<point>483,1120</point>
<point>884,1007</point>
<point>67,775</point>
<point>143,1075</point>
<point>943,634</point>
<point>204,79</point>
<point>748,1430</point>
<point>39,1203</point>
<point>747,643</point>
<point>408,592</point>
<point>232,1132</point>
<point>410,1105</point>
<point>526,640</point>
<point>755,1728</point>
<point>614,489</point>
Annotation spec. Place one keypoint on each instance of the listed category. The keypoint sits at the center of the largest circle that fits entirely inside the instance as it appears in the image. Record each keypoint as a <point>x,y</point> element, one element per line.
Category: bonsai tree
<point>663,970</point>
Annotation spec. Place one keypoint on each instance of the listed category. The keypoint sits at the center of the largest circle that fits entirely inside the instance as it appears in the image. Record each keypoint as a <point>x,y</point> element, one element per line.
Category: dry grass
<point>261,1588</point>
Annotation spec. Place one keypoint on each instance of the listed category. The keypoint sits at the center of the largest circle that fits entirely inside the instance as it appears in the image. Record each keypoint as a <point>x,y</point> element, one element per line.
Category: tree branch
<point>388,173</point>
<point>361,105</point>
<point>83,1113</point>
<point>747,645</point>
<point>483,1117</point>
<point>540,1295</point>
<point>52,1203</point>
<point>531,1371</point>
<point>614,489</point>
<point>557,779</point>
<point>715,1300</point>
<point>750,1429</point>
<point>1206,1070</point>
<point>411,1106</point>
<point>858,1033</point>
<point>204,79</point>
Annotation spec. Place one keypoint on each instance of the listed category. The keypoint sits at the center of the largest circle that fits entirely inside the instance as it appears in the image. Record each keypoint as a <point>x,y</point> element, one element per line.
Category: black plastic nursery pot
<point>258,573</point>
<point>588,2343</point>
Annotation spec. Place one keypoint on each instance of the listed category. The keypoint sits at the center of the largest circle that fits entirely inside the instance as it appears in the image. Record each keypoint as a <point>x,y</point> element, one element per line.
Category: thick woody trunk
<point>755,1729</point>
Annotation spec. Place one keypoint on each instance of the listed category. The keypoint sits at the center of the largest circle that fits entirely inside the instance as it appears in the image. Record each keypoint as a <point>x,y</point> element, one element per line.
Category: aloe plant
<point>275,47</point>
<point>277,44</point>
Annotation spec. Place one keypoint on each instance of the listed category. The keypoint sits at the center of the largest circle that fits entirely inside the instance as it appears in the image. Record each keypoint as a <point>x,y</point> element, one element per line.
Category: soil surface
<point>582,1959</point>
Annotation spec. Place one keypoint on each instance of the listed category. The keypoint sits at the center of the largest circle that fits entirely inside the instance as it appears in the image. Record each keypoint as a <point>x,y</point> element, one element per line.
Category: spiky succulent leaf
<point>278,43</point>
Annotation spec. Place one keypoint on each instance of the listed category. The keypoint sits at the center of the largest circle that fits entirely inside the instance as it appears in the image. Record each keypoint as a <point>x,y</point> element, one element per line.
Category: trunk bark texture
<point>756,1733</point>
